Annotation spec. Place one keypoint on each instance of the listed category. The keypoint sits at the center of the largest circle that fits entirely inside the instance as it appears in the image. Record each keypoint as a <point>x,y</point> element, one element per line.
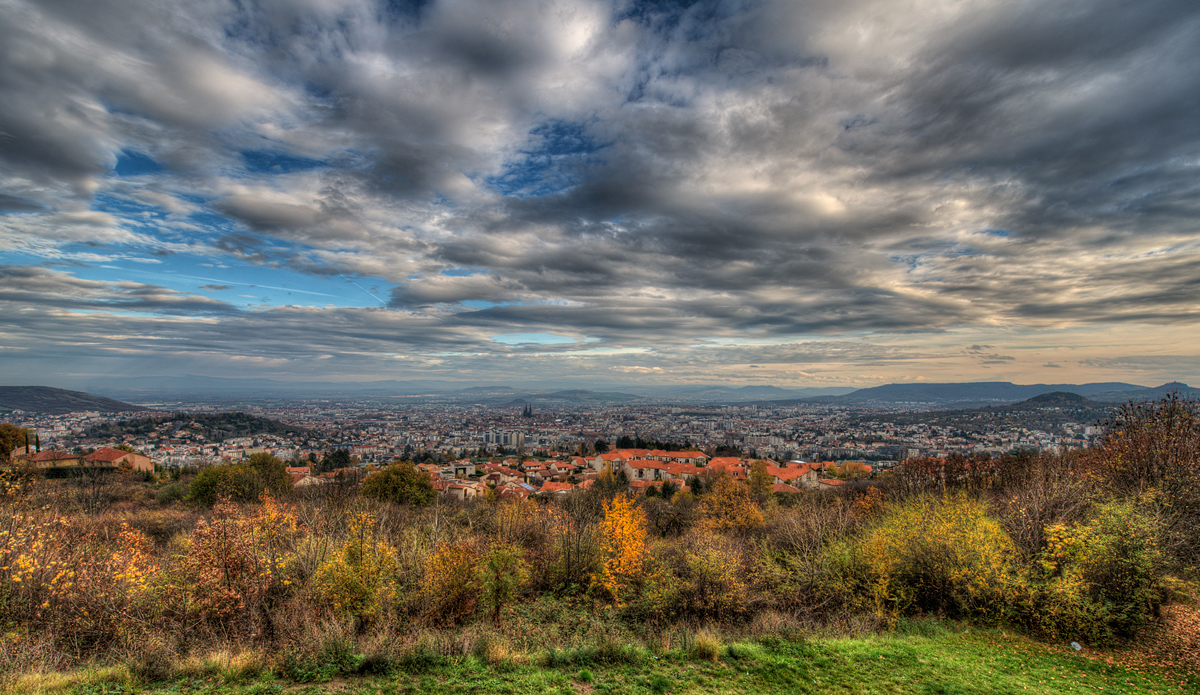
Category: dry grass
<point>707,645</point>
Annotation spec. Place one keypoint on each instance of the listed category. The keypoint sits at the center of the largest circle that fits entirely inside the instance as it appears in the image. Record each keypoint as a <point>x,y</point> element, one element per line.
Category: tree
<point>623,542</point>
<point>601,446</point>
<point>729,507</point>
<point>504,573</point>
<point>339,458</point>
<point>401,483</point>
<point>271,472</point>
<point>760,481</point>
<point>852,470</point>
<point>11,437</point>
<point>1152,451</point>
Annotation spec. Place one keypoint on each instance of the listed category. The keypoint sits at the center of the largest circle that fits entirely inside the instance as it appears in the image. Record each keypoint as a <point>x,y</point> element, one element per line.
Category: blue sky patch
<point>264,162</point>
<point>131,163</point>
<point>533,338</point>
<point>561,151</point>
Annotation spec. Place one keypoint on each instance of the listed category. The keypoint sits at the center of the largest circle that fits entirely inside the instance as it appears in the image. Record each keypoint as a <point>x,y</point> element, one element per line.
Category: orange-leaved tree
<point>623,543</point>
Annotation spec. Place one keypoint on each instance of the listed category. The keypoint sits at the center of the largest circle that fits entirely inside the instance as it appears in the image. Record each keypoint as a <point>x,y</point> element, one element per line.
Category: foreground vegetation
<point>722,591</point>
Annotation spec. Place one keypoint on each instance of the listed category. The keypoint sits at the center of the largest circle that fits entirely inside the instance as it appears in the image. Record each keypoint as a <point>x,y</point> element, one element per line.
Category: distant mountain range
<point>43,399</point>
<point>193,387</point>
<point>982,393</point>
<point>915,396</point>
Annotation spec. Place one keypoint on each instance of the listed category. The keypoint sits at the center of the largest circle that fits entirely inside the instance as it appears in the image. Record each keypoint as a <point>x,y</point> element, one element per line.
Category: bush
<point>359,578</point>
<point>928,554</point>
<point>1155,448</point>
<point>243,482</point>
<point>401,483</point>
<point>171,493</point>
<point>451,587</point>
<point>1099,582</point>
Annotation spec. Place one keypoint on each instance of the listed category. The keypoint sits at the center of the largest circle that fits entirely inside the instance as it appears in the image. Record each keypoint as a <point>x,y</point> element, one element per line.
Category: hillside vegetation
<point>215,427</point>
<point>1088,546</point>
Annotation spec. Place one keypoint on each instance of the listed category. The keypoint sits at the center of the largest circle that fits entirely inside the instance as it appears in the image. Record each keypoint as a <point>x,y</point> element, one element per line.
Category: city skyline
<point>549,193</point>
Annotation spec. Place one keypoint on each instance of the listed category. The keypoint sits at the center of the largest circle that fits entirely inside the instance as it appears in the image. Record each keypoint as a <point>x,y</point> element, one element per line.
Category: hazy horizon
<point>802,195</point>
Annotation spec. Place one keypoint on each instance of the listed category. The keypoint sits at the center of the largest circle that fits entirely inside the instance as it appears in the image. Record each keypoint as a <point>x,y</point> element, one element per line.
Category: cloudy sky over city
<point>827,193</point>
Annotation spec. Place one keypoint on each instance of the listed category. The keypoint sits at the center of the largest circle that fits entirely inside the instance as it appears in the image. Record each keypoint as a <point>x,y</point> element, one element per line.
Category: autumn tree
<point>760,481</point>
<point>11,437</point>
<point>852,470</point>
<point>1152,450</point>
<point>728,507</point>
<point>623,545</point>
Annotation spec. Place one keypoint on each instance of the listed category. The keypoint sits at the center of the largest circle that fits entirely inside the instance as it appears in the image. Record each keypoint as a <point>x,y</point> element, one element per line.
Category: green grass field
<point>920,658</point>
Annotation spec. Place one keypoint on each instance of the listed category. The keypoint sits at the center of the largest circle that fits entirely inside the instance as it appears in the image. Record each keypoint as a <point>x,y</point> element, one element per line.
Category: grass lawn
<point>921,658</point>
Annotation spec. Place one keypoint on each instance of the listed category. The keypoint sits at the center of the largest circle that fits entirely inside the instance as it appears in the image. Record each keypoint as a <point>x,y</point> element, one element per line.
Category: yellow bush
<point>928,554</point>
<point>451,587</point>
<point>359,578</point>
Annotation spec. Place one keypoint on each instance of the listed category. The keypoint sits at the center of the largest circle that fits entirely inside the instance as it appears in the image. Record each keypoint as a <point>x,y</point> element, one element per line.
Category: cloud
<point>644,176</point>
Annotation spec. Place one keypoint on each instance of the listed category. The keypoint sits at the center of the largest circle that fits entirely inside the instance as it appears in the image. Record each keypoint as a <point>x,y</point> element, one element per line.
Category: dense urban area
<point>378,433</point>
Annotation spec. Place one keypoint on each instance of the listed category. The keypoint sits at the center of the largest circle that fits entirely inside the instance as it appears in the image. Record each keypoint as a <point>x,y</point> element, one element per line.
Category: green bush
<point>401,483</point>
<point>1098,582</point>
<point>171,493</point>
<point>243,482</point>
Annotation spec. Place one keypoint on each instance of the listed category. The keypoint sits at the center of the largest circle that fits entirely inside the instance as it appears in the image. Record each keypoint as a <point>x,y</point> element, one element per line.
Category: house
<point>464,490</point>
<point>516,490</point>
<point>729,464</point>
<point>49,459</point>
<point>643,469</point>
<point>298,473</point>
<point>560,488</point>
<point>794,475</point>
<point>463,469</point>
<point>119,459</point>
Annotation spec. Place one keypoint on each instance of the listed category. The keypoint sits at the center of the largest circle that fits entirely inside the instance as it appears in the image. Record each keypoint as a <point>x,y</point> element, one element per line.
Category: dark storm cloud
<point>634,174</point>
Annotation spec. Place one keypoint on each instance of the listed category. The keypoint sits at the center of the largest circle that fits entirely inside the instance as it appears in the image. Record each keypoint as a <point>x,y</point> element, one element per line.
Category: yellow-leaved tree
<point>623,544</point>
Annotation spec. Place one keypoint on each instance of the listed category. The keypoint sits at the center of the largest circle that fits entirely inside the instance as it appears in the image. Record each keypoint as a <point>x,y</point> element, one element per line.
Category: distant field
<point>921,657</point>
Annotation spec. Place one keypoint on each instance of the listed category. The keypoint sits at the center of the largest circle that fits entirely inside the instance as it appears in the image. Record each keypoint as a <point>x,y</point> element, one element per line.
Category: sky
<point>803,194</point>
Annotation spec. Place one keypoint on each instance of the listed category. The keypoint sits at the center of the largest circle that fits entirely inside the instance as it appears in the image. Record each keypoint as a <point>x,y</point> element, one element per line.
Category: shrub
<point>401,483</point>
<point>174,492</point>
<point>359,578</point>
<point>703,577</point>
<point>236,561</point>
<point>1155,448</point>
<point>451,587</point>
<point>728,507</point>
<point>1098,582</point>
<point>504,574</point>
<point>926,554</point>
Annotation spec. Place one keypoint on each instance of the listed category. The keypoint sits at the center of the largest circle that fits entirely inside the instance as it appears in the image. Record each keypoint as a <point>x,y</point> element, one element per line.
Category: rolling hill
<point>52,401</point>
